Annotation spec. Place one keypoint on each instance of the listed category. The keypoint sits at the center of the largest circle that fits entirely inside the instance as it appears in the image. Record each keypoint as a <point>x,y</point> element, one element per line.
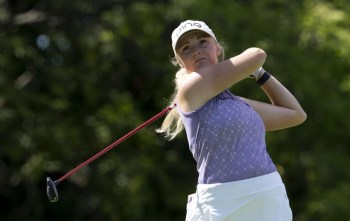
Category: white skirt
<point>261,198</point>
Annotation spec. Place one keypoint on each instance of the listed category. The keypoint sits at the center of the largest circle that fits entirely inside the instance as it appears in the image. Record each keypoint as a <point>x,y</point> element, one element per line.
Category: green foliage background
<point>77,75</point>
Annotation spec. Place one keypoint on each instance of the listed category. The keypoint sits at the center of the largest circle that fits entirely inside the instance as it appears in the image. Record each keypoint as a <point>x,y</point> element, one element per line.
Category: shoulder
<point>189,94</point>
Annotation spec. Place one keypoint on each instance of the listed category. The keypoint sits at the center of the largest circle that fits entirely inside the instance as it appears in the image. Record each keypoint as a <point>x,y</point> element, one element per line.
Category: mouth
<point>198,60</point>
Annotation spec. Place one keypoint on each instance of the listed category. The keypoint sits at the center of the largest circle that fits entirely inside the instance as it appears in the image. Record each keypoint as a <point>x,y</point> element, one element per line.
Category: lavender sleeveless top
<point>227,140</point>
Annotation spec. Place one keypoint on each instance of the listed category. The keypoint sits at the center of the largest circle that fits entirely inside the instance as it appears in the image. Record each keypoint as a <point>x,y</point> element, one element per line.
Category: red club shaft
<point>126,136</point>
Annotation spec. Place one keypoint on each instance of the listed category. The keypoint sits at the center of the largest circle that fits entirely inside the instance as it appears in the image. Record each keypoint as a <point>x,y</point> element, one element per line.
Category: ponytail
<point>172,124</point>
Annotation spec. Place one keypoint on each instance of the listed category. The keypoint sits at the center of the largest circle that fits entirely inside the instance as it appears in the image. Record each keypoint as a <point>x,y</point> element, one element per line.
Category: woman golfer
<point>226,133</point>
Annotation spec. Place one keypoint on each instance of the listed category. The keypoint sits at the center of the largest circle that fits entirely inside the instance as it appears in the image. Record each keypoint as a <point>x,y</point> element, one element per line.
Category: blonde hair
<point>172,124</point>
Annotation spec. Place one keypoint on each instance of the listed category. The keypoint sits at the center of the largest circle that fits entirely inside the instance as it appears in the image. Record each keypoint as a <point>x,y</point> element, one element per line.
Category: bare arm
<point>209,81</point>
<point>284,110</point>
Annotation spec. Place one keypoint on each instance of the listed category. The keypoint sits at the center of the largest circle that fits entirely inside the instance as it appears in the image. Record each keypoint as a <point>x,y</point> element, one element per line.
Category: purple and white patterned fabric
<point>227,140</point>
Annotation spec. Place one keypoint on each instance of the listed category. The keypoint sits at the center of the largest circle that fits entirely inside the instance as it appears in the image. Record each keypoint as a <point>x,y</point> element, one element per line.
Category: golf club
<point>51,186</point>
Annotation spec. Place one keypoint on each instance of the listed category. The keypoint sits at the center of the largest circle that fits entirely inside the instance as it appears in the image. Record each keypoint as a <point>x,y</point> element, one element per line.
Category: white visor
<point>187,26</point>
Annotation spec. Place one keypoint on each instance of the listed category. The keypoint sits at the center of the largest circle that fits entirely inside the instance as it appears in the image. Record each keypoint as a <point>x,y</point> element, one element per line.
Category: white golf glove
<point>257,74</point>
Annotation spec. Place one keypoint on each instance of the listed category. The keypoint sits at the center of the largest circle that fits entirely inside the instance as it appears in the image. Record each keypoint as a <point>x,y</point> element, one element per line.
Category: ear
<point>218,51</point>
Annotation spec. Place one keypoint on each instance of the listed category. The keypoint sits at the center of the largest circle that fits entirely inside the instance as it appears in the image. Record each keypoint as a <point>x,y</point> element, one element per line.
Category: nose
<point>196,52</point>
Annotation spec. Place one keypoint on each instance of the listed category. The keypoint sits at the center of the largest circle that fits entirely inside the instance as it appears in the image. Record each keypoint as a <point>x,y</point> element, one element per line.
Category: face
<point>196,50</point>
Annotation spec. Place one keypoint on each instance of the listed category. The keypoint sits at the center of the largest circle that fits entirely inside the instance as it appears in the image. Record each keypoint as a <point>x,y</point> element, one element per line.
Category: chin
<point>203,65</point>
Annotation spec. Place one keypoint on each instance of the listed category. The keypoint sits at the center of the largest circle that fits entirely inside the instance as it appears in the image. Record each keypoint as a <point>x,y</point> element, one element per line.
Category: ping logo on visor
<point>187,26</point>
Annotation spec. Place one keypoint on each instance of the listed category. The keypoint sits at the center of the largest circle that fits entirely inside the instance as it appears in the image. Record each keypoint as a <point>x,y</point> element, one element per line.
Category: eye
<point>203,41</point>
<point>185,49</point>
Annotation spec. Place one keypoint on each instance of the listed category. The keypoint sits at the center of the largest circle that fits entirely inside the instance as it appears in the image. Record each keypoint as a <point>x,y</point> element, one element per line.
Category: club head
<point>51,190</point>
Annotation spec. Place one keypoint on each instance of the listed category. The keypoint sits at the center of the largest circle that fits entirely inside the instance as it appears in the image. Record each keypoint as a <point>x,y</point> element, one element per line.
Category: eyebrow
<point>200,35</point>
